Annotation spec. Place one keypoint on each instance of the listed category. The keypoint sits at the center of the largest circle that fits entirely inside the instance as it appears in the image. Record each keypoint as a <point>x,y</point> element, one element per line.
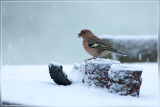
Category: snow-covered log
<point>57,74</point>
<point>96,72</point>
<point>111,74</point>
<point>125,79</point>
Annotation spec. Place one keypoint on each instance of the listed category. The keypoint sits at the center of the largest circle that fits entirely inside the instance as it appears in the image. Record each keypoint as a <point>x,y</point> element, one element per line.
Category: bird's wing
<point>115,51</point>
<point>103,47</point>
<point>95,42</point>
<point>93,39</point>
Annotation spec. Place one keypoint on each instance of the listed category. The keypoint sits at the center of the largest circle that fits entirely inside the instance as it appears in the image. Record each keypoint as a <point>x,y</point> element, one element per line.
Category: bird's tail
<point>116,51</point>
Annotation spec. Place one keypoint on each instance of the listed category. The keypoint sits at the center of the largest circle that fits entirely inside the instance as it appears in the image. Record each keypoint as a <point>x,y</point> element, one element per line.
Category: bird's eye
<point>84,32</point>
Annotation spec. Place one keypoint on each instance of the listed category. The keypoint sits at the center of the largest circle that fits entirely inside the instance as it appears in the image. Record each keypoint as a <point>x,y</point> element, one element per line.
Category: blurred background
<point>40,32</point>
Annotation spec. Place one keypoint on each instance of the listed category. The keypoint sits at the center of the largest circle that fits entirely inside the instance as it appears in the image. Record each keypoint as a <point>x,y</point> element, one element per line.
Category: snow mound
<point>76,75</point>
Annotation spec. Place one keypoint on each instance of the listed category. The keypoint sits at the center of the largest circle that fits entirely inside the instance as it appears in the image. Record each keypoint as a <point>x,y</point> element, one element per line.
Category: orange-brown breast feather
<point>92,51</point>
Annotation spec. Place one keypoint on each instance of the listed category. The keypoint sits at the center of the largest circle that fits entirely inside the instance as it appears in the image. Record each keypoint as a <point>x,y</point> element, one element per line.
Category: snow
<point>76,75</point>
<point>103,61</point>
<point>120,71</point>
<point>118,78</point>
<point>127,74</point>
<point>125,67</point>
<point>32,85</point>
<point>54,63</point>
<point>93,71</point>
<point>140,56</point>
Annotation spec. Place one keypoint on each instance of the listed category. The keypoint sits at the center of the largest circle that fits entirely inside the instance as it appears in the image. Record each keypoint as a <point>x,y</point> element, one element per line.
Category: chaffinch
<point>95,46</point>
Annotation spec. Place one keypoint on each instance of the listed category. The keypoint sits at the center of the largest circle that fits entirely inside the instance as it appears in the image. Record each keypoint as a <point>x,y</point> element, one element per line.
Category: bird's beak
<point>79,35</point>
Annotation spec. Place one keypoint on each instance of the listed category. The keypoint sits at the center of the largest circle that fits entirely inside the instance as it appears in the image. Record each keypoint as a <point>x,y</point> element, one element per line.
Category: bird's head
<point>85,33</point>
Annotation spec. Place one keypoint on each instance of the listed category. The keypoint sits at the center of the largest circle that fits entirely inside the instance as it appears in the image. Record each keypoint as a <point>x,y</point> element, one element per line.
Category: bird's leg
<point>90,59</point>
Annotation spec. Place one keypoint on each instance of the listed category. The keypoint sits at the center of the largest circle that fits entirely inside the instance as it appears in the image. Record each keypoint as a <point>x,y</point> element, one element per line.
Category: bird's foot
<point>90,59</point>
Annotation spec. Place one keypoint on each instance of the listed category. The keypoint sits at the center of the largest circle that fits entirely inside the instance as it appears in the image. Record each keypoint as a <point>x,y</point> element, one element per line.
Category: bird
<point>95,46</point>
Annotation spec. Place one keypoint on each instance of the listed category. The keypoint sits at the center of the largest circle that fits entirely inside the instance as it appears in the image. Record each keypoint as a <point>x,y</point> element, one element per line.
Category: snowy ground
<point>31,85</point>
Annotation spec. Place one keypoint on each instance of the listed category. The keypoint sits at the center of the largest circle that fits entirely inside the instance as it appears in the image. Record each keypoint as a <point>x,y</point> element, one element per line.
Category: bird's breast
<point>92,51</point>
